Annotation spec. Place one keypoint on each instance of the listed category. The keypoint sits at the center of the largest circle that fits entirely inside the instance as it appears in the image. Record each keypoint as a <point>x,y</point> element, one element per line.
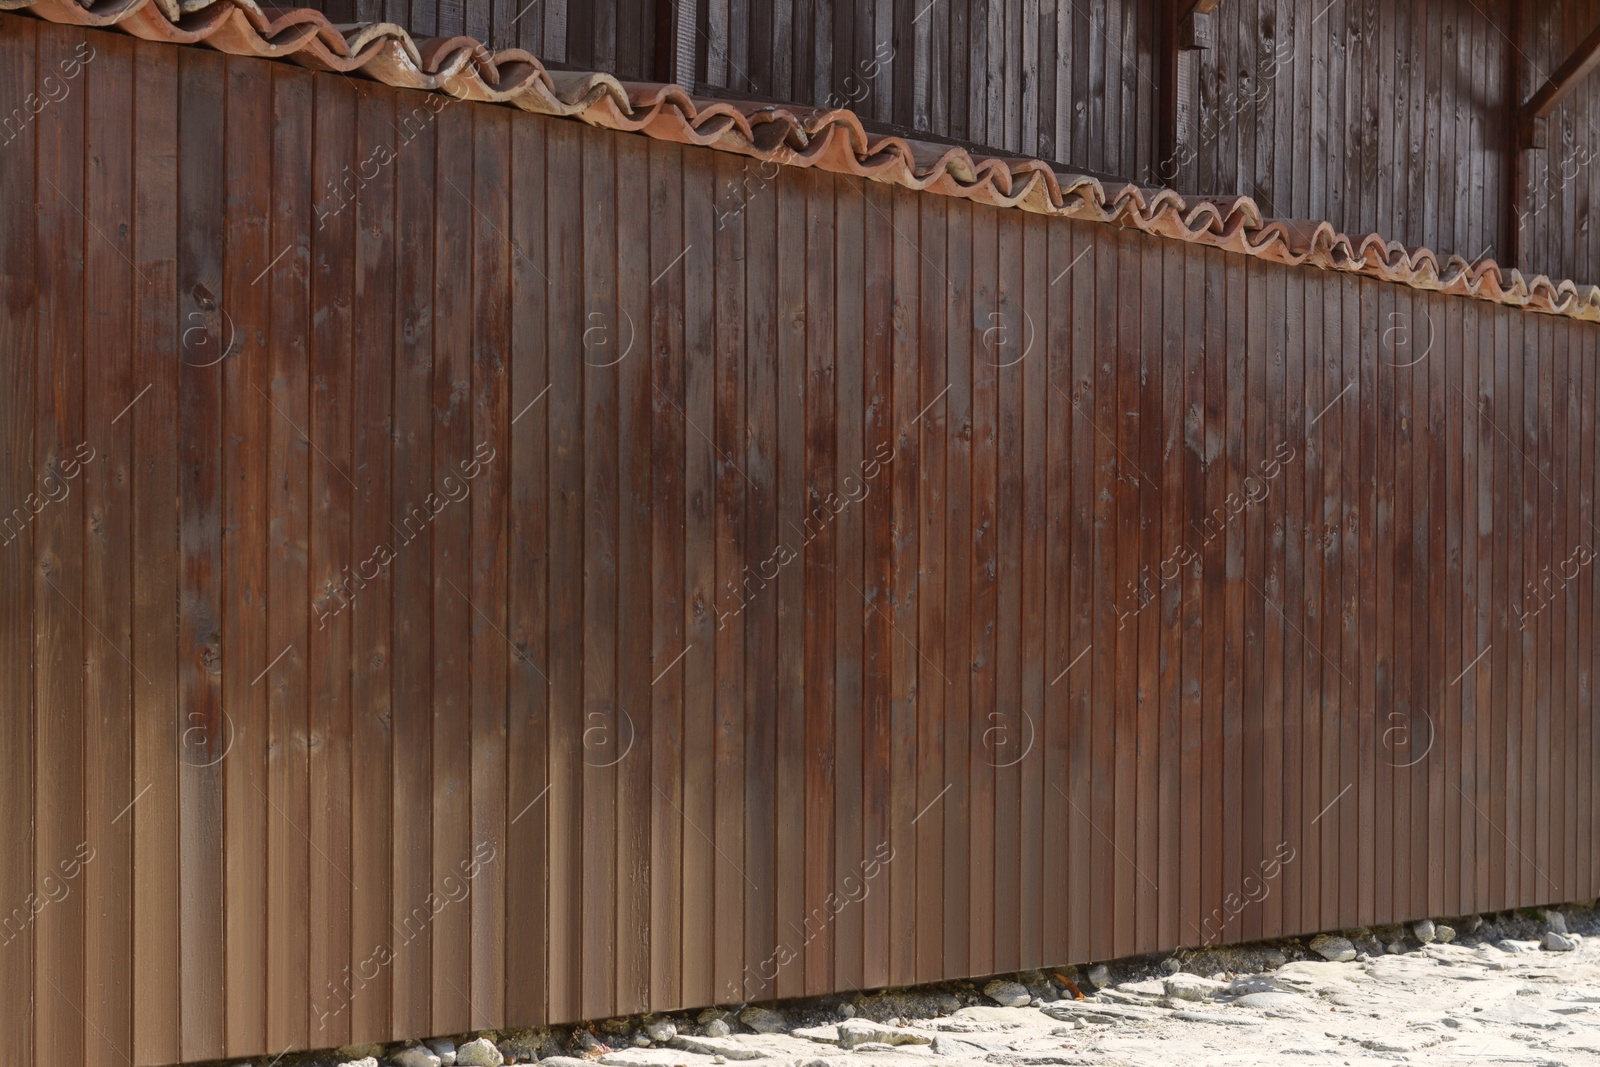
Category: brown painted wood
<point>372,776</point>
<point>60,633</point>
<point>1016,487</point>
<point>18,195</point>
<point>108,680</point>
<point>244,625</point>
<point>332,489</point>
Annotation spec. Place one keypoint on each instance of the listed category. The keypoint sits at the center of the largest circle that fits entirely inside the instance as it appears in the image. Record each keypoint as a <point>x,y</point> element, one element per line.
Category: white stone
<point>764,1020</point>
<point>1007,994</point>
<point>1336,949</point>
<point>415,1056</point>
<point>1554,942</point>
<point>1191,987</point>
<point>662,1030</point>
<point>479,1052</point>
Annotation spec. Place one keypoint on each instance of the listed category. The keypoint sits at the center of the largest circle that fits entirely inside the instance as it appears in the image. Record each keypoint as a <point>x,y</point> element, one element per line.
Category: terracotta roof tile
<point>833,140</point>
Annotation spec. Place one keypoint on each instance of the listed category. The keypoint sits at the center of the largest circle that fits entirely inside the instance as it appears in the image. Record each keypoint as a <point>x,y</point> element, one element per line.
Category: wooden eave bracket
<point>1561,83</point>
<point>1194,24</point>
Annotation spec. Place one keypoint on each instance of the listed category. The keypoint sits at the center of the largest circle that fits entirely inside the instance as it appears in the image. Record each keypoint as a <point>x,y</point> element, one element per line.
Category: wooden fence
<point>466,568</point>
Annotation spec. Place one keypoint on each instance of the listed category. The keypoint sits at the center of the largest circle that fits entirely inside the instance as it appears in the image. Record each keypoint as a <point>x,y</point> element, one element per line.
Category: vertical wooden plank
<point>60,636</point>
<point>450,573</point>
<point>876,398</point>
<point>19,195</point>
<point>898,449</point>
<point>528,690</point>
<point>372,543</point>
<point>1315,540</point>
<point>1451,711</point>
<point>1173,533</point>
<point>702,604</point>
<point>790,930</point>
<point>1327,425</point>
<point>759,459</point>
<point>1213,850</point>
<point>1519,426</point>
<point>1392,666</point>
<point>1099,401</point>
<point>1034,513</point>
<point>409,520</point>
<point>1428,817</point>
<point>563,806</point>
<point>1257,648</point>
<point>634,737</point>
<point>1284,478</point>
<point>1468,390</point>
<point>1506,583</point>
<point>1146,444</point>
<point>849,348</point>
<point>1005,733</point>
<point>290,999</point>
<point>1584,875</point>
<point>243,743</point>
<point>105,76</point>
<point>483,473</point>
<point>983,567</point>
<point>957,804</point>
<point>332,489</point>
<point>1234,796</point>
<point>670,647</point>
<point>1055,736</point>
<point>727,428</point>
<point>931,426</point>
<point>1194,700</point>
<point>1375,631</point>
<point>821,553</point>
<point>1124,423</point>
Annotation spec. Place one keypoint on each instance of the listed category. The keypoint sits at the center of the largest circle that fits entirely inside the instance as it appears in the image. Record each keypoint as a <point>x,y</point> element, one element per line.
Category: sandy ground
<point>1456,1004</point>
<point>1495,994</point>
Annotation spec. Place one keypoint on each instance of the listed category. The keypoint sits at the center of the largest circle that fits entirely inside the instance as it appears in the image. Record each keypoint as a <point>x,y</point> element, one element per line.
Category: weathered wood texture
<point>1395,118</point>
<point>1558,184</point>
<point>470,599</point>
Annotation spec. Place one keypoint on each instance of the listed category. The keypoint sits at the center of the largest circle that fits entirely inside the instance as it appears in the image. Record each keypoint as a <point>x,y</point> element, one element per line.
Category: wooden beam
<point>1564,80</point>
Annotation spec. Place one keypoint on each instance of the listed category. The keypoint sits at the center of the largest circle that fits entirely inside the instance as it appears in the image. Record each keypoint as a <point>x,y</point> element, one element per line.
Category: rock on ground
<point>416,1056</point>
<point>1007,994</point>
<point>1555,942</point>
<point>764,1020</point>
<point>1335,949</point>
<point>479,1052</point>
<point>854,1032</point>
<point>443,1048</point>
<point>1424,931</point>
<point>661,1030</point>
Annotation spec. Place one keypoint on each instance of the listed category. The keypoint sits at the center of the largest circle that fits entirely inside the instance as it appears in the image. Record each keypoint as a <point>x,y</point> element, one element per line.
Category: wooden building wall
<point>1379,117</point>
<point>440,593</point>
<point>1559,183</point>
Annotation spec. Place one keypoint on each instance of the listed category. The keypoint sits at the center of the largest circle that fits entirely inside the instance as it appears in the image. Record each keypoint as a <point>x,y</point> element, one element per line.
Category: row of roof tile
<point>832,139</point>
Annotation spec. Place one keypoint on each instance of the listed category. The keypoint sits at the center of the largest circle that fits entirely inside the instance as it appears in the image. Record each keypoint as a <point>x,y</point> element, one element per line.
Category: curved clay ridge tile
<point>831,139</point>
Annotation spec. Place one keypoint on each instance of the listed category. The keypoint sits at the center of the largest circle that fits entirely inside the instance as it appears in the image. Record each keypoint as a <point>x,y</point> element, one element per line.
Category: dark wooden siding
<point>1379,117</point>
<point>1394,118</point>
<point>630,588</point>
<point>1559,184</point>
